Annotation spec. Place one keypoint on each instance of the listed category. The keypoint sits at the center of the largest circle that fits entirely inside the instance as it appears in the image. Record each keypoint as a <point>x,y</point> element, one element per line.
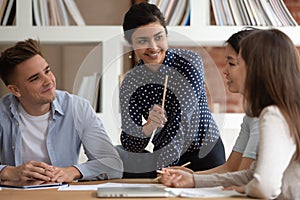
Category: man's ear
<point>14,90</point>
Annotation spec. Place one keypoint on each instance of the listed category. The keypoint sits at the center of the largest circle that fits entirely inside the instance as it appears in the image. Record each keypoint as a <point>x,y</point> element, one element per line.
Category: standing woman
<point>271,79</point>
<point>184,128</point>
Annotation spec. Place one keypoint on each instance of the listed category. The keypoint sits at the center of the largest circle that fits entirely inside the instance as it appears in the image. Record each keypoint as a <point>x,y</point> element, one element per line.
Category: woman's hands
<point>184,179</point>
<point>177,178</point>
<point>240,189</point>
<point>156,119</point>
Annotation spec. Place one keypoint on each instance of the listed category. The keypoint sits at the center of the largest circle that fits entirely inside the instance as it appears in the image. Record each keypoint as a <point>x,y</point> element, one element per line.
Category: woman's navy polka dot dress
<point>190,124</point>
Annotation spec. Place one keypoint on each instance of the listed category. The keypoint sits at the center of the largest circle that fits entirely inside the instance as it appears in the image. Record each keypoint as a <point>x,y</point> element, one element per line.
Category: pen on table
<point>162,172</point>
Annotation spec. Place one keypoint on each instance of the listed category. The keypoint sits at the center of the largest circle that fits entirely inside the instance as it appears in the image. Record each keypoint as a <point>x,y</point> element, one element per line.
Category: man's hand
<point>31,172</point>
<point>66,174</point>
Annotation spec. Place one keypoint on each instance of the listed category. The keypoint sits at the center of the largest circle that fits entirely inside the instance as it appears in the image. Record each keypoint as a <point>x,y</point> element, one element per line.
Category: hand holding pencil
<point>157,114</point>
<point>173,167</point>
<point>157,118</point>
<point>183,168</point>
<point>176,178</point>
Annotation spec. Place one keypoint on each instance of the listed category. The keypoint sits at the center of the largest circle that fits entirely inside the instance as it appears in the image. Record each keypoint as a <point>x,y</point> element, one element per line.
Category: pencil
<point>150,145</point>
<point>157,178</point>
<point>186,164</point>
<point>165,91</point>
<point>159,171</point>
<point>162,172</point>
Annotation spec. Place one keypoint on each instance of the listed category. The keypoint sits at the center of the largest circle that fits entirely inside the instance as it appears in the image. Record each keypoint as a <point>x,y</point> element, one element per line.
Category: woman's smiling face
<point>150,43</point>
<point>233,71</point>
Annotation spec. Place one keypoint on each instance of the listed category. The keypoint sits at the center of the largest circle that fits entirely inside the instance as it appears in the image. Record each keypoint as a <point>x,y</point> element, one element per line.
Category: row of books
<point>56,13</point>
<point>7,12</point>
<point>176,12</point>
<point>252,12</point>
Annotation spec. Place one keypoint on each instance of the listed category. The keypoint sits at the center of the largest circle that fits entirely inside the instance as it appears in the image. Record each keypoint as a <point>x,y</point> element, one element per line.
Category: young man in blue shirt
<point>42,128</point>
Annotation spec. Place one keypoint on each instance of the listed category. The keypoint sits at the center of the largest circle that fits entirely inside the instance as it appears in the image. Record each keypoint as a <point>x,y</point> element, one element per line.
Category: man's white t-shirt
<point>34,131</point>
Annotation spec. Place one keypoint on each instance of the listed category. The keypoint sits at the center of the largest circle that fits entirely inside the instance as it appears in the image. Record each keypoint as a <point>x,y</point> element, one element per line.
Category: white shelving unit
<point>200,32</point>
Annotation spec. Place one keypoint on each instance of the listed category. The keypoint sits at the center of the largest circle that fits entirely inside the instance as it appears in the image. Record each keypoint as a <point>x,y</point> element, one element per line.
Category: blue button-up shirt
<point>73,123</point>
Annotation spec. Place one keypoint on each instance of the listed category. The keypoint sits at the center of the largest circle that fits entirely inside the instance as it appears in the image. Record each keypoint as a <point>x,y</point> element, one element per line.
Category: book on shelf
<point>55,13</point>
<point>215,12</point>
<point>170,10</point>
<point>235,12</point>
<point>9,13</point>
<point>245,12</point>
<point>263,13</point>
<point>62,13</point>
<point>185,21</point>
<point>259,19</point>
<point>271,13</point>
<point>58,16</point>
<point>228,13</point>
<point>176,12</point>
<point>294,10</point>
<point>287,13</point>
<point>54,19</point>
<point>241,12</point>
<point>44,12</point>
<point>2,8</point>
<point>218,12</point>
<point>74,12</point>
<point>36,12</point>
<point>153,2</point>
<point>252,12</point>
<point>162,5</point>
<point>279,13</point>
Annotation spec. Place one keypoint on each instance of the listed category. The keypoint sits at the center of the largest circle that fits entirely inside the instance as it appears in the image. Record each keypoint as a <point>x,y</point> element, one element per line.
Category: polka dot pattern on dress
<point>190,124</point>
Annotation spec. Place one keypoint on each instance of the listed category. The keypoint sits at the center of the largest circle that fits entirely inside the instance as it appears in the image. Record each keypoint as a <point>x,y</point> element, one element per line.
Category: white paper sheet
<point>95,187</point>
<point>212,192</point>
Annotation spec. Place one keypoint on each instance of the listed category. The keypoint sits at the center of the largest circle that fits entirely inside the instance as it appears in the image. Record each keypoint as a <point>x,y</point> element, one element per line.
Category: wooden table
<point>53,194</point>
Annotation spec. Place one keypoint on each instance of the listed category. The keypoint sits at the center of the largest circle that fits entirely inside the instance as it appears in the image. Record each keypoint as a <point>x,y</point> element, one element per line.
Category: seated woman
<point>245,149</point>
<point>270,78</point>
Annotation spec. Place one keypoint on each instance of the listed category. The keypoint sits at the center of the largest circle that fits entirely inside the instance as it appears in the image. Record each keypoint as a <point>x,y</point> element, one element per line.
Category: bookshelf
<point>199,30</point>
<point>74,45</point>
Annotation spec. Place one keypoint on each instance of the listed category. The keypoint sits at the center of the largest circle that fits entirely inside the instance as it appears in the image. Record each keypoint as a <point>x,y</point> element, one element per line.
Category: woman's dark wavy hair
<point>234,39</point>
<point>141,14</point>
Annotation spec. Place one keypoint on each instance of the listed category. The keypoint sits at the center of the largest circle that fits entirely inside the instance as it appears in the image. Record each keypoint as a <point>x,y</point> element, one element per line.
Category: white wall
<point>229,125</point>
